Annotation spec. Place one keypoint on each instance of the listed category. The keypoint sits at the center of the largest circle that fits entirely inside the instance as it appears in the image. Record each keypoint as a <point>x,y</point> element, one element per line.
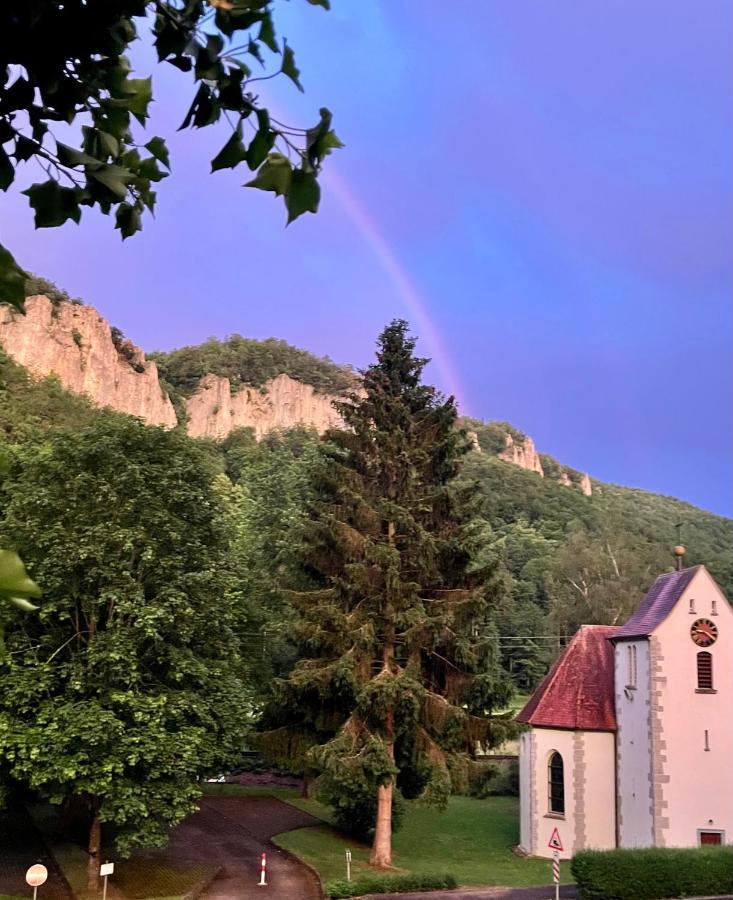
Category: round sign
<point>36,875</point>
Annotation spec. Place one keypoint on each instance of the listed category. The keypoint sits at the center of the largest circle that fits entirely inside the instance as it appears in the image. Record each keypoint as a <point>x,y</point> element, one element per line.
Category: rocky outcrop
<point>473,441</point>
<point>523,454</point>
<point>214,411</point>
<point>585,485</point>
<point>75,343</point>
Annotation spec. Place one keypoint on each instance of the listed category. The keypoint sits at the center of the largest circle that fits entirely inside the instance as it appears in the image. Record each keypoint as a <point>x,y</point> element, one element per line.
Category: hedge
<point>653,873</point>
<point>383,884</point>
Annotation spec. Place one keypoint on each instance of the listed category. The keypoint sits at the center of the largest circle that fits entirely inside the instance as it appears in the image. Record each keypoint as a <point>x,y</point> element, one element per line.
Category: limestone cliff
<point>75,343</point>
<point>213,410</point>
<point>522,453</point>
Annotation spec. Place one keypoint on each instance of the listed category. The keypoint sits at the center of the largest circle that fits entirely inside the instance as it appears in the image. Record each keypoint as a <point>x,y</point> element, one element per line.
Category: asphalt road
<point>232,833</point>
<point>542,893</point>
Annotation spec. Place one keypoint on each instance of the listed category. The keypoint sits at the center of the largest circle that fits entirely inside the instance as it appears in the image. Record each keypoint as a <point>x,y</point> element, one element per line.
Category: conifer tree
<point>398,671</point>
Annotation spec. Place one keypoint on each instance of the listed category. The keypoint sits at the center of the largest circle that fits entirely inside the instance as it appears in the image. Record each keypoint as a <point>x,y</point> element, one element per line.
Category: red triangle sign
<point>555,843</point>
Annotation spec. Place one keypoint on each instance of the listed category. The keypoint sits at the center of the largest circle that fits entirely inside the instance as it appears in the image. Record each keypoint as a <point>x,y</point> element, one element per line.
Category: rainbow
<point>405,288</point>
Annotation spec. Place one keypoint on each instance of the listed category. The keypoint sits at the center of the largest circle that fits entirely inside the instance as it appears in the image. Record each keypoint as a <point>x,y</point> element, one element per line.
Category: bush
<point>653,873</point>
<point>382,884</point>
<point>355,810</point>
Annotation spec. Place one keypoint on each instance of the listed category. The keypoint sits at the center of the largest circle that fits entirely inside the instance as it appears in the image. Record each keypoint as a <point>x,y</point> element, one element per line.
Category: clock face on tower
<point>704,632</point>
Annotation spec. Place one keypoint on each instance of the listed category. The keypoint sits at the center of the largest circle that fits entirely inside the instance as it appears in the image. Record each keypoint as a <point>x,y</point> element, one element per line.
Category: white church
<point>630,736</point>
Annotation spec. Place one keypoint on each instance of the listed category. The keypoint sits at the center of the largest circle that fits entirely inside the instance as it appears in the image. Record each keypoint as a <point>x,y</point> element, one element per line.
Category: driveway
<point>232,833</point>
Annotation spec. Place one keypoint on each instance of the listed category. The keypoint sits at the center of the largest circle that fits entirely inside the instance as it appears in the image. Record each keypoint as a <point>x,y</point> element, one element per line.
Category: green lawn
<point>472,840</point>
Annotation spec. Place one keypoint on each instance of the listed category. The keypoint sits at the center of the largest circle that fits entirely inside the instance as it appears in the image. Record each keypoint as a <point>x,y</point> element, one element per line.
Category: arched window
<point>556,784</point>
<point>704,671</point>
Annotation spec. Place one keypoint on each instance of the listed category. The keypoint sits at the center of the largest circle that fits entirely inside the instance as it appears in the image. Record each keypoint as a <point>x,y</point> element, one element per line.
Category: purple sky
<point>550,183</point>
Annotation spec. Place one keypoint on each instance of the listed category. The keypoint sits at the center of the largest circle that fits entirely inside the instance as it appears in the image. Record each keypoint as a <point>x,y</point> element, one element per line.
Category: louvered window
<point>704,671</point>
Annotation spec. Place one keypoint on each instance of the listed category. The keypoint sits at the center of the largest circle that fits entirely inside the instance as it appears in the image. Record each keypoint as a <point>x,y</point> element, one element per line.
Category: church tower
<point>673,676</point>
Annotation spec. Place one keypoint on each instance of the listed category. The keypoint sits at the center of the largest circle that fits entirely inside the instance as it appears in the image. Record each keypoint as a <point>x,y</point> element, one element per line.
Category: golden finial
<point>679,550</point>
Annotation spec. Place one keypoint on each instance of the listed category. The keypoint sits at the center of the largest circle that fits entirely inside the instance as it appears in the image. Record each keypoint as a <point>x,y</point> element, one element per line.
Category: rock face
<point>75,343</point>
<point>523,454</point>
<point>214,411</point>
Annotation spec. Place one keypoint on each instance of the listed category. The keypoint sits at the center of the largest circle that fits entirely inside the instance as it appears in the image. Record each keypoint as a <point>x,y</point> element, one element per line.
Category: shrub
<point>653,873</point>
<point>382,884</point>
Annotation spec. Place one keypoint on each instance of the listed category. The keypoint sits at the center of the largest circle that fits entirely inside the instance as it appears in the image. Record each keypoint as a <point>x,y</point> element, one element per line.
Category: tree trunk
<point>94,849</point>
<point>306,792</point>
<point>381,855</point>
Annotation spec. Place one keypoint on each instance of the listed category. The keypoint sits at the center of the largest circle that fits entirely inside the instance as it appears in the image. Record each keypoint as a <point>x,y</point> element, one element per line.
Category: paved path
<point>232,833</point>
<point>542,893</point>
<point>20,847</point>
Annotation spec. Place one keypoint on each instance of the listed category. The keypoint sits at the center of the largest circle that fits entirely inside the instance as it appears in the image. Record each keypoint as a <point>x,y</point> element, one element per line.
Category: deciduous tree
<point>126,687</point>
<point>67,64</point>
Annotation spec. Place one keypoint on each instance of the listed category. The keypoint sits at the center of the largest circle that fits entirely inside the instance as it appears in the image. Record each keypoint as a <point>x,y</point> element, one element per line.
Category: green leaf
<point>304,194</point>
<point>267,33</point>
<point>12,280</point>
<point>275,174</point>
<point>289,68</point>
<point>262,142</point>
<point>14,580</point>
<point>68,156</point>
<point>326,4</point>
<point>23,604</point>
<point>24,148</point>
<point>148,168</point>
<point>115,179</point>
<point>321,139</point>
<point>127,219</point>
<point>159,150</point>
<point>140,91</point>
<point>7,170</point>
<point>203,111</point>
<point>232,153</point>
<point>52,204</point>
<point>108,143</point>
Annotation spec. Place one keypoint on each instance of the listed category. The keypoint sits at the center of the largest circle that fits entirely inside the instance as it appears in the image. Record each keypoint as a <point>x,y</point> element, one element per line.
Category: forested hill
<point>245,361</point>
<point>568,558</point>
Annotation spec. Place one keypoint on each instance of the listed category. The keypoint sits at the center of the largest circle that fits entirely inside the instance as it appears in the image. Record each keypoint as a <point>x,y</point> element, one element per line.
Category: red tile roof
<point>578,691</point>
<point>657,604</point>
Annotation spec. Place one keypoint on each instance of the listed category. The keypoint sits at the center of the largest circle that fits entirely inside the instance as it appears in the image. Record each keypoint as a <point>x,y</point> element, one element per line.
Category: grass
<point>472,839</point>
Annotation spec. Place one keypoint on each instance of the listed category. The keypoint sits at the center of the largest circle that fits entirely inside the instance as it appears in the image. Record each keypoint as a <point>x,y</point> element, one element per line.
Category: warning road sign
<point>555,843</point>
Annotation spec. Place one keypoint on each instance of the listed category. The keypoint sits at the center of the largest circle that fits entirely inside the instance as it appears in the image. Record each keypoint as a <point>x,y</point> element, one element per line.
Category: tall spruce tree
<point>399,671</point>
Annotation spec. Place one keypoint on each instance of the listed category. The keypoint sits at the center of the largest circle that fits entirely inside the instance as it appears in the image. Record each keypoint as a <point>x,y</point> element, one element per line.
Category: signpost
<point>263,872</point>
<point>35,877</point>
<point>555,844</point>
<point>105,870</point>
<point>348,865</point>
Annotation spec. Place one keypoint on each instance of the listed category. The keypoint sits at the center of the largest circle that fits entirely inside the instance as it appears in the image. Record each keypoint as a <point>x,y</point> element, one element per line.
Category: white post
<point>263,872</point>
<point>348,865</point>
<point>35,891</point>
<point>556,872</point>
<point>104,889</point>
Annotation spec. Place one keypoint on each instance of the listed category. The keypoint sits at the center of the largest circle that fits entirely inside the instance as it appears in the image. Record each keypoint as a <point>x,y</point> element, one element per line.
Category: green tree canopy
<point>66,64</point>
<point>398,669</point>
<point>127,686</point>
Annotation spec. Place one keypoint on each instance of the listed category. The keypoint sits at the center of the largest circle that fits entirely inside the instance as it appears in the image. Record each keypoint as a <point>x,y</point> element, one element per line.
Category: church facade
<point>629,738</point>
